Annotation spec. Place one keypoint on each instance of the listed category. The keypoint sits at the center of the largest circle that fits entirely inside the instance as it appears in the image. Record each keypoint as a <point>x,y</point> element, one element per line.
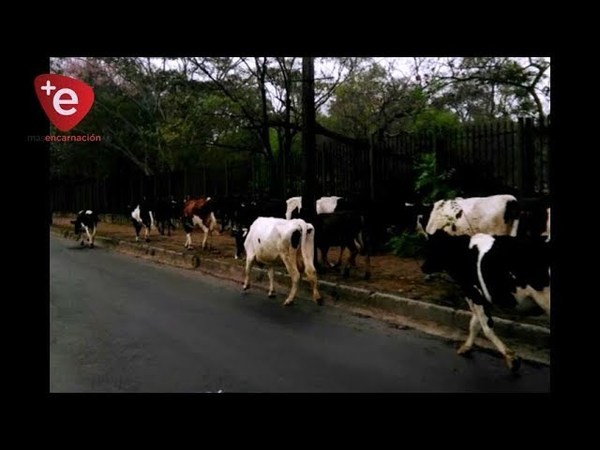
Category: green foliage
<point>409,245</point>
<point>435,121</point>
<point>430,184</point>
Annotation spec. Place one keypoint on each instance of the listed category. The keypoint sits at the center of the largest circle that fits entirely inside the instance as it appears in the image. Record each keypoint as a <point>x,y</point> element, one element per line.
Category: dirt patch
<point>389,273</point>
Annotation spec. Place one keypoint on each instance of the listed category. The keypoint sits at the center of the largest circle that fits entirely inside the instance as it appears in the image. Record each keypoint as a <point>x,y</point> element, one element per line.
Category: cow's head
<point>77,225</point>
<point>239,235</point>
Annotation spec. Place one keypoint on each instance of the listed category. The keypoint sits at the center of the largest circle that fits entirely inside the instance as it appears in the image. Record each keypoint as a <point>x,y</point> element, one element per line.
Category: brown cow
<point>198,212</point>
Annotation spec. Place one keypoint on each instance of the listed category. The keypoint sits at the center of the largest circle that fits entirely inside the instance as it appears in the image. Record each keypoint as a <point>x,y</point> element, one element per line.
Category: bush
<point>430,184</point>
<point>409,245</point>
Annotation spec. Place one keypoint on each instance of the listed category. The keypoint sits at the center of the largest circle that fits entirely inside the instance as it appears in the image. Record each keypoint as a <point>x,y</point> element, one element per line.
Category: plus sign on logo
<point>65,100</point>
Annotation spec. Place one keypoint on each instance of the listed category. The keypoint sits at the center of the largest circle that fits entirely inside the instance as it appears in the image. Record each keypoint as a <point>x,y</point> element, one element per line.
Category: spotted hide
<point>493,270</point>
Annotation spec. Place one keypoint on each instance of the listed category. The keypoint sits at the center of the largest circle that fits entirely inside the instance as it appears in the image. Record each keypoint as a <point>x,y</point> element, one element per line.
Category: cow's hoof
<point>92,245</point>
<point>288,303</point>
<point>464,350</point>
<point>245,288</point>
<point>271,294</point>
<point>319,301</point>
<point>82,243</point>
<point>513,363</point>
<point>147,239</point>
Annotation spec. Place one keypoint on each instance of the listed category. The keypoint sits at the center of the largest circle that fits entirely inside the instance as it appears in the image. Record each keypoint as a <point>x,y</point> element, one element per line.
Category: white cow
<point>468,216</point>
<point>270,238</point>
<point>324,205</point>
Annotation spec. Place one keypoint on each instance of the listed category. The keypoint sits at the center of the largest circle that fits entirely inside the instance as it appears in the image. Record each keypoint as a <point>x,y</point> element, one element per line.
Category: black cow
<point>87,220</point>
<point>226,210</point>
<point>166,213</point>
<point>346,229</point>
<point>533,216</point>
<point>493,270</point>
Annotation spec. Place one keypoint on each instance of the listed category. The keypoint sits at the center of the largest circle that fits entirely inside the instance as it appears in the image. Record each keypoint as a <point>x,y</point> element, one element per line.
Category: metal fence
<point>501,157</point>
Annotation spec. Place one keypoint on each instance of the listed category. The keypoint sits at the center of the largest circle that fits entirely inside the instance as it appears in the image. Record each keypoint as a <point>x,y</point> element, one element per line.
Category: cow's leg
<point>205,231</point>
<point>147,232</point>
<point>512,361</point>
<point>351,260</point>
<point>87,233</point>
<point>271,272</point>
<point>93,235</point>
<point>249,263</point>
<point>542,299</point>
<point>474,328</point>
<point>138,227</point>
<point>152,223</point>
<point>292,268</point>
<point>324,250</point>
<point>339,261</point>
<point>311,275</point>
<point>188,240</point>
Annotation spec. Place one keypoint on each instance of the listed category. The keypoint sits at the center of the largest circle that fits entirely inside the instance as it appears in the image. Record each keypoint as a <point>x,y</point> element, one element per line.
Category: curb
<point>532,341</point>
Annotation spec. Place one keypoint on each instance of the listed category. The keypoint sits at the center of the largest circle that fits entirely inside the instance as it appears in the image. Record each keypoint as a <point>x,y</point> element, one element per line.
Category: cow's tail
<point>360,240</point>
<point>307,244</point>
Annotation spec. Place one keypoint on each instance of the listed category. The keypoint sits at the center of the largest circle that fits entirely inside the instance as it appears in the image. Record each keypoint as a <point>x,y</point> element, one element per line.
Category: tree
<point>483,88</point>
<point>375,102</point>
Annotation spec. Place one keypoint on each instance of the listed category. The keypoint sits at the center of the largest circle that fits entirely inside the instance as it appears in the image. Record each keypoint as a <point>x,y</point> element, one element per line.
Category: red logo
<point>65,100</point>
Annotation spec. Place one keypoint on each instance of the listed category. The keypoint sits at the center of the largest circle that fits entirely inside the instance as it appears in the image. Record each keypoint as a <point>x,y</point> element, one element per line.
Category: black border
<point>351,43</point>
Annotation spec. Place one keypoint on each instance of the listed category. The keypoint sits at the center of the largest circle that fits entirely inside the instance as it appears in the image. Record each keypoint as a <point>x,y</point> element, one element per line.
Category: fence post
<point>371,168</point>
<point>441,154</point>
<point>226,179</point>
<point>527,156</point>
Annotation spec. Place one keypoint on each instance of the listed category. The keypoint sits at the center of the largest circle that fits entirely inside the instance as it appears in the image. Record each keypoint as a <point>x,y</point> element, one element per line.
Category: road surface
<point>121,324</point>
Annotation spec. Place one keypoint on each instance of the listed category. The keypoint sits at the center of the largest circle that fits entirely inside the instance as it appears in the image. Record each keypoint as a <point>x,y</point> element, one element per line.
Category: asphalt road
<point>120,324</point>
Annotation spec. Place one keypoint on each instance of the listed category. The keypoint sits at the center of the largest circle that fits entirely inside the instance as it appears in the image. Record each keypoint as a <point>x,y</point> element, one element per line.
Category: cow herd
<point>496,248</point>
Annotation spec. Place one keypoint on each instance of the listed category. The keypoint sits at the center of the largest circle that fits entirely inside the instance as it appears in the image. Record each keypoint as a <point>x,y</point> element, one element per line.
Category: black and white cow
<point>271,238</point>
<point>87,220</point>
<point>498,215</point>
<point>469,216</point>
<point>142,217</point>
<point>324,205</point>
<point>493,270</point>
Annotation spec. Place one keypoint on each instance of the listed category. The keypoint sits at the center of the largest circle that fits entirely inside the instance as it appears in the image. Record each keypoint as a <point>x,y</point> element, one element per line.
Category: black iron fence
<point>501,157</point>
